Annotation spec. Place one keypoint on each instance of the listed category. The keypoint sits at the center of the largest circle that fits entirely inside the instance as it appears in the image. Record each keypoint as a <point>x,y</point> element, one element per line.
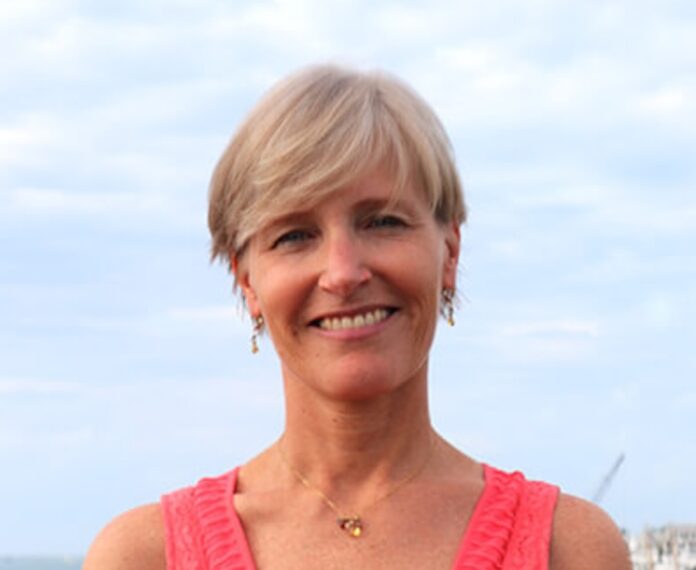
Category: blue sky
<point>124,361</point>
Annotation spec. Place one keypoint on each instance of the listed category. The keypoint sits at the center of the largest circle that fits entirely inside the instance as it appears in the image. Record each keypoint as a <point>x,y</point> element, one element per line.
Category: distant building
<point>671,547</point>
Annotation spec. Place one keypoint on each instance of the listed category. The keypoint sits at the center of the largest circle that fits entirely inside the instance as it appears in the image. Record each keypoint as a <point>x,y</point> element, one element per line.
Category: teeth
<point>370,318</point>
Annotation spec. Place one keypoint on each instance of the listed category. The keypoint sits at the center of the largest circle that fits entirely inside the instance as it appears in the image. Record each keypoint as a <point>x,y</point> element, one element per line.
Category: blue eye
<point>292,237</point>
<point>386,222</point>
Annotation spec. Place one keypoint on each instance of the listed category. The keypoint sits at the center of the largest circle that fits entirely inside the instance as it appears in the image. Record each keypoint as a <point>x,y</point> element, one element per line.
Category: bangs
<point>324,164</point>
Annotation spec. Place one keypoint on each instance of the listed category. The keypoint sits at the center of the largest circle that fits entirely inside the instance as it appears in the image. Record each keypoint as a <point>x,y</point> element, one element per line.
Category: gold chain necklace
<point>352,524</point>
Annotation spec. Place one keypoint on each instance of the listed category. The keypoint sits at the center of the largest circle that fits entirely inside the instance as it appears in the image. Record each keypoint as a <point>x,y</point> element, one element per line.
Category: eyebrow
<point>366,205</point>
<point>384,204</point>
<point>287,219</point>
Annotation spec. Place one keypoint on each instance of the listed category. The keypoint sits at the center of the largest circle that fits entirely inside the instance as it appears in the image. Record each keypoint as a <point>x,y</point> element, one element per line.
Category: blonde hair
<point>317,131</point>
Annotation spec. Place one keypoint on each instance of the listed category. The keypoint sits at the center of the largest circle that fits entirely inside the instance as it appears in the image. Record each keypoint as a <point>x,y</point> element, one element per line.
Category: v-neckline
<point>465,544</point>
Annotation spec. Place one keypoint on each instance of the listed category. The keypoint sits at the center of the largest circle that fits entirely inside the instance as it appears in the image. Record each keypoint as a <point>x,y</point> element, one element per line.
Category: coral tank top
<point>510,528</point>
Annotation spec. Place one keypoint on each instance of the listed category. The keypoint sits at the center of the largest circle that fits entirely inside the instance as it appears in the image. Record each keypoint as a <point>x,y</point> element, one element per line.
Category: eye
<point>386,221</point>
<point>292,237</point>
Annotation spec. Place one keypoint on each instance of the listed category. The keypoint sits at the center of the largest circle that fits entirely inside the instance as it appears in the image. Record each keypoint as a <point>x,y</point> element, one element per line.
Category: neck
<point>345,446</point>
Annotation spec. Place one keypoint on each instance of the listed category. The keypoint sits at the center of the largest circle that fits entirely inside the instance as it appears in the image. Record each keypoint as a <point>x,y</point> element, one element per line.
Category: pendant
<point>352,525</point>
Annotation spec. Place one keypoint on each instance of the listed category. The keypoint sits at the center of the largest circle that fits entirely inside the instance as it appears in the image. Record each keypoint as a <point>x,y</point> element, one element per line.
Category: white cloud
<point>648,218</point>
<point>661,311</point>
<point>409,23</point>
<point>547,341</point>
<point>666,101</point>
<point>532,342</point>
<point>47,442</point>
<point>61,202</point>
<point>598,207</point>
<point>512,249</point>
<point>21,142</point>
<point>15,15</point>
<point>555,328</point>
<point>296,20</point>
<point>154,209</point>
<point>204,315</point>
<point>162,103</point>
<point>175,321</point>
<point>16,386</point>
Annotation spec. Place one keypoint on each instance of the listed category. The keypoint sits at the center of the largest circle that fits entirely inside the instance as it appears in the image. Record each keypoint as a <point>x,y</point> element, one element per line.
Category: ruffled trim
<point>182,532</point>
<point>510,528</point>
<point>202,529</point>
<point>530,542</point>
<point>224,541</point>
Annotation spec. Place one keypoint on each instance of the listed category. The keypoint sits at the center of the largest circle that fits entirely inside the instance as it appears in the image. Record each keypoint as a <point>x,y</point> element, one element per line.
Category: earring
<point>448,305</point>
<point>256,331</point>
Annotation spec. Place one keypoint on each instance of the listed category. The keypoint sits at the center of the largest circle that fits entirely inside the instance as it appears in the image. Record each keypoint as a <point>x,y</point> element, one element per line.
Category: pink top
<point>510,528</point>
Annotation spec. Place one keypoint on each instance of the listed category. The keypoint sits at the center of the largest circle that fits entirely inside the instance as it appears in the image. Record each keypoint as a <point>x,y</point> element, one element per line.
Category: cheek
<point>428,280</point>
<point>280,295</point>
<point>423,271</point>
<point>420,285</point>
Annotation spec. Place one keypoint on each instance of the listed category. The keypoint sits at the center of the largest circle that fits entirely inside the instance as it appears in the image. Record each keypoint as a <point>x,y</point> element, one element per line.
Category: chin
<point>366,382</point>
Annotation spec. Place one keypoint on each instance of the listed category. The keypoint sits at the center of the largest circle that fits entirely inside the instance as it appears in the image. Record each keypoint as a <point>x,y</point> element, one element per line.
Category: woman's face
<point>350,289</point>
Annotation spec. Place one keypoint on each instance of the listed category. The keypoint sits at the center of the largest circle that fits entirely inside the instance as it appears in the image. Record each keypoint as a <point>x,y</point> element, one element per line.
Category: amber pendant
<point>352,525</point>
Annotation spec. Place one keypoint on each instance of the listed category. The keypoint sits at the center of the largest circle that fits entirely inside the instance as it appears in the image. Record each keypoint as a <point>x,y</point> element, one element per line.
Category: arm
<point>132,541</point>
<point>585,537</point>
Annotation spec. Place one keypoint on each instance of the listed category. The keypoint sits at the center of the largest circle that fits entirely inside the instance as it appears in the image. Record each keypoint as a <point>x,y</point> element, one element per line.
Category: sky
<point>125,369</point>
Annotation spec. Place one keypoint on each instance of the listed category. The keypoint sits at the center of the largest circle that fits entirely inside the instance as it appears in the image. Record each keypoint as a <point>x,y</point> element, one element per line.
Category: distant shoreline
<point>8,562</point>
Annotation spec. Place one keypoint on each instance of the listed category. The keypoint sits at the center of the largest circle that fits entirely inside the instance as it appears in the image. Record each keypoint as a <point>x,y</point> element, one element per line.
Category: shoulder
<point>584,536</point>
<point>132,541</point>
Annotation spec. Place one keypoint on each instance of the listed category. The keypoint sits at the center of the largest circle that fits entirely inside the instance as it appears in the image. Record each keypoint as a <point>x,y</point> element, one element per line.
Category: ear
<point>243,280</point>
<point>451,258</point>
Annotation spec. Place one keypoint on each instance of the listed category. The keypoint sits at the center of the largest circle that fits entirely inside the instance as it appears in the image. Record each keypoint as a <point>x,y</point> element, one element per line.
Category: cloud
<point>554,328</point>
<point>18,386</point>
<point>203,315</point>
<point>666,101</point>
<point>20,143</point>
<point>292,21</point>
<point>547,341</point>
<point>496,68</point>
<point>52,442</point>
<point>132,212</point>
<point>409,23</point>
<point>173,322</point>
<point>55,202</point>
<point>94,414</point>
<point>533,342</point>
<point>617,207</point>
<point>25,14</point>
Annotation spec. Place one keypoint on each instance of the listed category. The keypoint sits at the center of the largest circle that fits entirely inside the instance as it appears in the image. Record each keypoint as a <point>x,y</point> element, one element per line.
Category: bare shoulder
<point>584,536</point>
<point>133,541</point>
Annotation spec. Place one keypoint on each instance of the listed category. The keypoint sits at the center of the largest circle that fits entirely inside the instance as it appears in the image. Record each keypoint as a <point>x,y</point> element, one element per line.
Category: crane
<point>606,482</point>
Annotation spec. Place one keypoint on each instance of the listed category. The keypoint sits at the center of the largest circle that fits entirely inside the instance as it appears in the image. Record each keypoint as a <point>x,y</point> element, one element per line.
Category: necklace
<point>351,524</point>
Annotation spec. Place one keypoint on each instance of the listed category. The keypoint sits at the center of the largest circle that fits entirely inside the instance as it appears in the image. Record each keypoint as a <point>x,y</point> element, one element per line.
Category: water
<point>9,563</point>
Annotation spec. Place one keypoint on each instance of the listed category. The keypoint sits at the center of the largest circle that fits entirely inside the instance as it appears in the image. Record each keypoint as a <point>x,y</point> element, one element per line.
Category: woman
<point>337,205</point>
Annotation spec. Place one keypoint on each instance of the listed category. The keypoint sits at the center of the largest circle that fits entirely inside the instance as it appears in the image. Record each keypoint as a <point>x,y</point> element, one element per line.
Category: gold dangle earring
<point>448,305</point>
<point>256,331</point>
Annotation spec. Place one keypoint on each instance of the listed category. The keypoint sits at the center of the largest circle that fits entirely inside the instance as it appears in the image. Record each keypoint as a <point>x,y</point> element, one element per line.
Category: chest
<point>394,542</point>
<point>405,534</point>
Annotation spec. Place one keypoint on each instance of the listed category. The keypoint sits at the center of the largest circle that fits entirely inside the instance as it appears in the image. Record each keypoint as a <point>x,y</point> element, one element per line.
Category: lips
<point>355,320</point>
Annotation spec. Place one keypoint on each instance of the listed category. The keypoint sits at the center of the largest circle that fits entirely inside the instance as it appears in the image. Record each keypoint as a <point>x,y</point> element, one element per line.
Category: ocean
<point>43,563</point>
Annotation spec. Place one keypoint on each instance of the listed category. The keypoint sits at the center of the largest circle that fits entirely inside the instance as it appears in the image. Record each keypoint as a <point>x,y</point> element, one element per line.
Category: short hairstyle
<point>317,131</point>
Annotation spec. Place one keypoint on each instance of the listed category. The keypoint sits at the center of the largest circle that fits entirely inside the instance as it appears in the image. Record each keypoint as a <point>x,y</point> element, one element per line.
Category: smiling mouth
<point>357,321</point>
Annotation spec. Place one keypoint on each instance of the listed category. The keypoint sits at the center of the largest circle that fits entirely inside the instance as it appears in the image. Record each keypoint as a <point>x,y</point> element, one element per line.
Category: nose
<point>344,268</point>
